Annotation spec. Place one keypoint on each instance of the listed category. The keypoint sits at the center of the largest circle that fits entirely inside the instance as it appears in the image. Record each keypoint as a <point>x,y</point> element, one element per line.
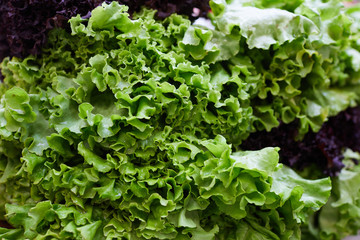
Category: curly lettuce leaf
<point>261,27</point>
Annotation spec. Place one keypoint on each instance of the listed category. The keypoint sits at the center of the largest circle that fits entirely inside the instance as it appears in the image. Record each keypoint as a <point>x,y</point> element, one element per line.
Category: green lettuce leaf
<point>261,27</point>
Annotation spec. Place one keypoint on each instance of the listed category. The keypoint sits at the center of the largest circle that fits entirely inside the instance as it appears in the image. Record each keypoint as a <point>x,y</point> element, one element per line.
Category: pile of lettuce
<point>132,128</point>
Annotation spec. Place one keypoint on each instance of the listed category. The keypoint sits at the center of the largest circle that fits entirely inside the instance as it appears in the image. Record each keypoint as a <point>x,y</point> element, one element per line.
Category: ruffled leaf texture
<point>116,133</point>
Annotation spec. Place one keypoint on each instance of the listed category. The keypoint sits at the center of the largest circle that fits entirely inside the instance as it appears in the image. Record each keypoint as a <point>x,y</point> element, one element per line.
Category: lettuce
<point>132,128</point>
